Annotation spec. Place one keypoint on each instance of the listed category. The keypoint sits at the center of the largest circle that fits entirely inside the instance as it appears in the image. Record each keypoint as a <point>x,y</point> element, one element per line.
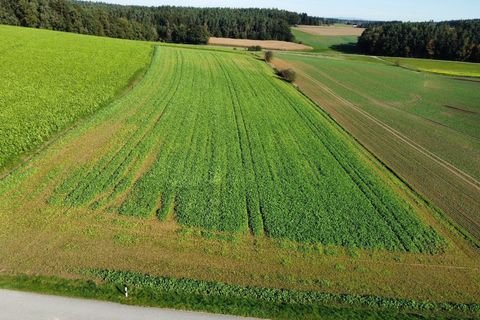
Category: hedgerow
<point>271,295</point>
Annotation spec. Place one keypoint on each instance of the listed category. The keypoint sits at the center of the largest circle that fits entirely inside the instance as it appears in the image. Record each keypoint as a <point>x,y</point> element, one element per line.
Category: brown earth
<point>331,30</point>
<point>265,44</point>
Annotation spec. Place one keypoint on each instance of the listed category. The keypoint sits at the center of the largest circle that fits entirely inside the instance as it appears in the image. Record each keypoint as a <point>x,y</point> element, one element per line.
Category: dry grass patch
<point>265,44</point>
<point>331,30</point>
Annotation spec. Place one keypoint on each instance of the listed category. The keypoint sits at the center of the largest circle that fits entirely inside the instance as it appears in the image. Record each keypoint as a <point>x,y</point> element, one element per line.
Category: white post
<point>126,292</point>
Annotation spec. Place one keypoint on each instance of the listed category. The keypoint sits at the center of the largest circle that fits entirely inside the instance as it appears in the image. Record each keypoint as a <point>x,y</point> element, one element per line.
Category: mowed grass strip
<point>224,145</point>
<point>51,79</point>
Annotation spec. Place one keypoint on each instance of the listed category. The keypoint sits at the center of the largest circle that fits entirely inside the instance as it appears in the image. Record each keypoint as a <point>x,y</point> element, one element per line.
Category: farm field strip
<point>215,141</point>
<point>334,30</point>
<point>460,202</point>
<point>465,177</point>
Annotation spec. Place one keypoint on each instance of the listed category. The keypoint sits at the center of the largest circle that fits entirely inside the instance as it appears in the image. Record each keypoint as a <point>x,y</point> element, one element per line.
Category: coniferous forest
<point>450,40</point>
<point>166,23</point>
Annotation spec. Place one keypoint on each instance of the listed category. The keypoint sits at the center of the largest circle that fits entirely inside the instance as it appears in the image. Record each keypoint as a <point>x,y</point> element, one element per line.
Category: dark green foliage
<point>268,56</point>
<point>288,74</point>
<point>452,40</point>
<point>170,24</point>
<point>254,48</point>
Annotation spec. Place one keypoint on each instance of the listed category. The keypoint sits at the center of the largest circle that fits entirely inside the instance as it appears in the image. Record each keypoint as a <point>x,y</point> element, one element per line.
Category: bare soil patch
<point>331,30</point>
<point>265,44</point>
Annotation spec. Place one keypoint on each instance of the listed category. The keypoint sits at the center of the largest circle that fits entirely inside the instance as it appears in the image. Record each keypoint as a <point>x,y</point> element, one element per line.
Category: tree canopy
<point>450,40</point>
<point>165,23</point>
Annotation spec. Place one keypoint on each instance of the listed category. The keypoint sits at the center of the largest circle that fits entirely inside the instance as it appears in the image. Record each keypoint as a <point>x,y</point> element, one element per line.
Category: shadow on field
<point>350,47</point>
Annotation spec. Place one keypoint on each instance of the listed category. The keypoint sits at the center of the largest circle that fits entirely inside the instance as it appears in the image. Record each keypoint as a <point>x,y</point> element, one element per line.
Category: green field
<point>452,68</point>
<point>212,184</point>
<point>325,43</point>
<point>61,78</point>
<point>435,117</point>
<point>259,157</point>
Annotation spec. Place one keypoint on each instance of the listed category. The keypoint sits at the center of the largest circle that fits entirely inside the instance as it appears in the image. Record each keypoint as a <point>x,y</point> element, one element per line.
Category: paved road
<point>16,305</point>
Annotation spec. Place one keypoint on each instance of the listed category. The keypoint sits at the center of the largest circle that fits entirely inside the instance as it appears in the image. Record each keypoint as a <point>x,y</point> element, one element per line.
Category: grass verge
<point>254,302</point>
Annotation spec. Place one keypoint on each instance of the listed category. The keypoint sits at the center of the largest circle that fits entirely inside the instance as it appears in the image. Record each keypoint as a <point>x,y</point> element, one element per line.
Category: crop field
<point>258,159</point>
<point>213,174</point>
<point>424,126</point>
<point>453,68</point>
<point>50,80</point>
<point>325,43</point>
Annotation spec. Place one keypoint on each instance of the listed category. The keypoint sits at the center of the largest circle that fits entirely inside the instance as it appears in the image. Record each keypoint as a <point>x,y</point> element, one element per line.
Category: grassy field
<point>61,78</point>
<point>452,68</point>
<point>212,173</point>
<point>244,168</point>
<point>332,30</point>
<point>265,44</point>
<point>320,43</point>
<point>424,126</point>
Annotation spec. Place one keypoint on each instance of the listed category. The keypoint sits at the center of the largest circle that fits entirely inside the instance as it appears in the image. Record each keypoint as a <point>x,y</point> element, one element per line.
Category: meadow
<point>50,80</point>
<point>451,68</point>
<point>420,118</point>
<point>325,43</point>
<point>212,175</point>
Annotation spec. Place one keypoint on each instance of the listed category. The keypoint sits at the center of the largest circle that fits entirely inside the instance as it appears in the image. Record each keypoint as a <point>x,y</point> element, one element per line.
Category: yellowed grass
<point>331,30</point>
<point>265,44</point>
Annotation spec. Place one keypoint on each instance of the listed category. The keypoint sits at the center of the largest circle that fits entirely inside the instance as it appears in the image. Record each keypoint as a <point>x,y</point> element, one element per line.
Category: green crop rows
<point>49,80</point>
<point>220,143</point>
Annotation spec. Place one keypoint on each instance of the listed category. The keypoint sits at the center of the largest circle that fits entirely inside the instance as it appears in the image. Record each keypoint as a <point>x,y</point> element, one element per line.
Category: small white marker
<point>126,292</point>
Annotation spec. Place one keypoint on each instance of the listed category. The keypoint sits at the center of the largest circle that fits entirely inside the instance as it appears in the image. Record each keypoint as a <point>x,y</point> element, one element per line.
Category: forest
<point>165,23</point>
<point>450,40</point>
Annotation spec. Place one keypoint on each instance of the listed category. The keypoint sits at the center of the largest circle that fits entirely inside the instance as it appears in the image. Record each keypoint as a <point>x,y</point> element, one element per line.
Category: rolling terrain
<point>213,184</point>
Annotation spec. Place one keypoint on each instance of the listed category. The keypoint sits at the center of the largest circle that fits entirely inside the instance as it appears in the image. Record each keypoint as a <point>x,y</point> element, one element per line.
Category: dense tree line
<point>166,23</point>
<point>451,40</point>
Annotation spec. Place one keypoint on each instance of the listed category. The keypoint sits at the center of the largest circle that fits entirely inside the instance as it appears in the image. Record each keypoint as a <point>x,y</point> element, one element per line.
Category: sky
<point>406,10</point>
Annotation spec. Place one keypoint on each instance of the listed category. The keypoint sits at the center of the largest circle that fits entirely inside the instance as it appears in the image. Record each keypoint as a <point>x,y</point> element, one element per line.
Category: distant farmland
<point>327,39</point>
<point>265,44</point>
<point>424,126</point>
